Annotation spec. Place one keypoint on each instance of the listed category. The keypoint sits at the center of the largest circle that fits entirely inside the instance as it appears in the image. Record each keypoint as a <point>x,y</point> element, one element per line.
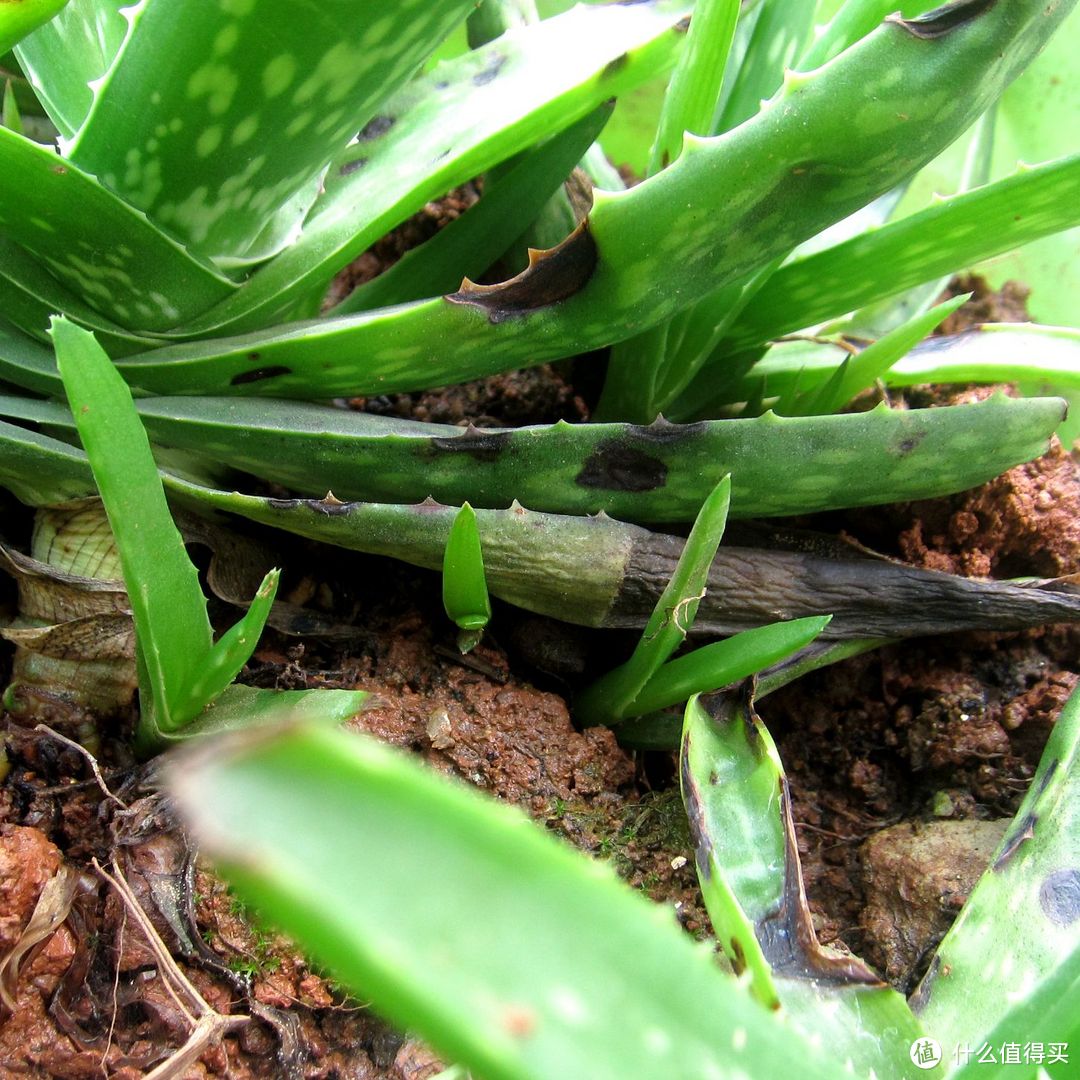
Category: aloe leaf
<point>102,249</point>
<point>22,17</point>
<point>28,364</point>
<point>1038,118</point>
<point>659,473</point>
<point>695,84</point>
<point>261,106</point>
<point>173,631</point>
<point>569,973</point>
<point>69,54</point>
<point>608,699</point>
<point>862,369</point>
<point>878,318</point>
<point>41,471</point>
<point>954,233</point>
<point>1050,1007</point>
<point>716,215</point>
<point>9,113</point>
<point>739,807</point>
<point>722,663</point>
<point>248,708</point>
<point>471,243</point>
<point>449,125</point>
<point>1021,924</point>
<point>602,572</point>
<point>464,586</point>
<point>222,663</point>
<point>493,18</point>
<point>1036,356</point>
<point>779,34</point>
<point>851,22</point>
<point>29,295</point>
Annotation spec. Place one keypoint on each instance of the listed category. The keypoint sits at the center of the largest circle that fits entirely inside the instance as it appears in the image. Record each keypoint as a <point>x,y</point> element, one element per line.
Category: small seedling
<point>465,594</point>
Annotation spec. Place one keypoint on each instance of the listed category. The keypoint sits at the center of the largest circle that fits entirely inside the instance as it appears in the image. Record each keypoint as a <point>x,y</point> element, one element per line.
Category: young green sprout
<point>465,592</point>
<point>184,675</point>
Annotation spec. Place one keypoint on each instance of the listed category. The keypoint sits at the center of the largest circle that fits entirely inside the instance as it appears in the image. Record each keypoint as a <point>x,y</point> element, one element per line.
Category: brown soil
<point>902,765</point>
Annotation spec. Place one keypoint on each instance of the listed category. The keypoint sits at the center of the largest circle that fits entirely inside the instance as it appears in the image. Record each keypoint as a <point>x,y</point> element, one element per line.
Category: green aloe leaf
<point>739,807</point>
<point>181,669</point>
<point>1035,356</point>
<point>608,700</point>
<point>464,586</point>
<point>1038,118</point>
<point>9,112</point>
<point>19,17</point>
<point>1051,1006</point>
<point>659,473</point>
<point>952,234</point>
<point>448,125</point>
<point>261,104</point>
<point>244,708</point>
<point>860,371</point>
<point>470,244</point>
<point>99,247</point>
<point>568,974</point>
<point>1021,924</point>
<point>40,470</point>
<point>715,215</point>
<point>30,294</point>
<point>722,663</point>
<point>695,84</point>
<point>779,33</point>
<point>174,633</point>
<point>30,365</point>
<point>69,54</point>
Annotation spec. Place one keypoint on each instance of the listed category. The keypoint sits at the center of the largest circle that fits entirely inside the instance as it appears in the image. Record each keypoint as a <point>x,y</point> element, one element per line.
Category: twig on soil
<point>207,1025</point>
<point>90,760</point>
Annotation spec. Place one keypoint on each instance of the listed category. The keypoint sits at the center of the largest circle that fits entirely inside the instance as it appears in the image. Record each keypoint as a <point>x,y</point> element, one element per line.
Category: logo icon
<point>925,1053</point>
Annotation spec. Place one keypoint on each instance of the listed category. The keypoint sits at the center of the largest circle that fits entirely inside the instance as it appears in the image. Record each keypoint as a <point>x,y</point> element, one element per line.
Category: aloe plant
<point>255,171</point>
<point>191,242</point>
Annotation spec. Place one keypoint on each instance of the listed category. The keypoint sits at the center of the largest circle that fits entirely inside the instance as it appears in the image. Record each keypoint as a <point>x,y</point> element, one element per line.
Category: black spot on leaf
<point>617,466</point>
<point>353,166</point>
<point>478,444</point>
<point>271,372</point>
<point>376,126</point>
